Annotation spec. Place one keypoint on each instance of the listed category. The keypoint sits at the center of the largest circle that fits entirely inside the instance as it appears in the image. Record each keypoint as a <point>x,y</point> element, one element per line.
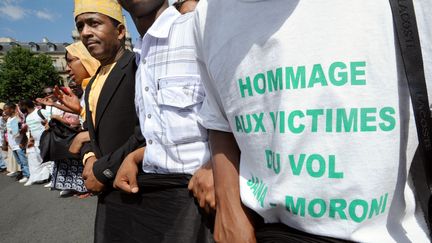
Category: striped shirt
<point>169,95</point>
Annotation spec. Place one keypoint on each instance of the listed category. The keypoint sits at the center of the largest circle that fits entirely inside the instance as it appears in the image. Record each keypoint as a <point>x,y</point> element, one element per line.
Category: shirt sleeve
<point>212,115</point>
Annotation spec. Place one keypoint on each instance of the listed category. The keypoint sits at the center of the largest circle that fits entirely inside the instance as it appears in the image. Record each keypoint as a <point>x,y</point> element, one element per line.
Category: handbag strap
<point>39,112</point>
<point>409,44</point>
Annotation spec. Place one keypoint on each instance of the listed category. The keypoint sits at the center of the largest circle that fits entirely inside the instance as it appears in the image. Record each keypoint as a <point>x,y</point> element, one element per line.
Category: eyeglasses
<point>70,61</point>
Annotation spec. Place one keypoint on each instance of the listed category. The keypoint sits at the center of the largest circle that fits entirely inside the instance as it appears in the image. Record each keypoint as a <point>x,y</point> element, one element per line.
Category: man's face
<point>140,8</point>
<point>7,111</point>
<point>99,35</point>
<point>23,108</point>
<point>49,93</point>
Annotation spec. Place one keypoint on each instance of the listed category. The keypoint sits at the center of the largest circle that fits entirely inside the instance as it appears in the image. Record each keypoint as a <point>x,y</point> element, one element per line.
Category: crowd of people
<point>23,124</point>
<point>21,130</point>
<point>236,121</point>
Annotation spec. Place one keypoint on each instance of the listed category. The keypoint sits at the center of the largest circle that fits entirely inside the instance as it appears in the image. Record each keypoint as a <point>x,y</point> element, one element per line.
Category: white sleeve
<point>212,115</point>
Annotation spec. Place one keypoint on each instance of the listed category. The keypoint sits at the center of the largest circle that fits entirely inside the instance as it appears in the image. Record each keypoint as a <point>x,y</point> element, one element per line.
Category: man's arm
<point>232,223</point>
<point>48,102</point>
<point>126,178</point>
<point>101,171</point>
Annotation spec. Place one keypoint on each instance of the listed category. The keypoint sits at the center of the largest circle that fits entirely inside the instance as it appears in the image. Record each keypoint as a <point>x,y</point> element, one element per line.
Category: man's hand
<point>91,183</point>
<point>202,186</point>
<point>24,129</point>
<point>233,226</point>
<point>46,125</point>
<point>126,179</point>
<point>45,101</point>
<point>30,142</point>
<point>57,117</point>
<point>78,141</point>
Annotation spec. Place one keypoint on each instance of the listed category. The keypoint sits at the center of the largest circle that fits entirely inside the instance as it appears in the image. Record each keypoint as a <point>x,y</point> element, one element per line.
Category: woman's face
<point>76,69</point>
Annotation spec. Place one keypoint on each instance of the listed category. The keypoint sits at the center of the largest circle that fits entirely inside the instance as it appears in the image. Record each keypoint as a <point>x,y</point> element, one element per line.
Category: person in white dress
<point>39,171</point>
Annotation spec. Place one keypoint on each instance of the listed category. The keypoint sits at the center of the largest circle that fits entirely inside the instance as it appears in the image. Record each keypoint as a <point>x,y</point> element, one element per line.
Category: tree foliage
<point>24,75</point>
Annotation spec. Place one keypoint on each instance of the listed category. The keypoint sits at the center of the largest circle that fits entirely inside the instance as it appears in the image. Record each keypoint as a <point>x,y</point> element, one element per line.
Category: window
<point>34,47</point>
<point>51,47</point>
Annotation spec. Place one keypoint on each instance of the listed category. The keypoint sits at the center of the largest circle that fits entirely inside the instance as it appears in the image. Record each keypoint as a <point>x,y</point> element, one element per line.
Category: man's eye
<point>79,27</point>
<point>94,24</point>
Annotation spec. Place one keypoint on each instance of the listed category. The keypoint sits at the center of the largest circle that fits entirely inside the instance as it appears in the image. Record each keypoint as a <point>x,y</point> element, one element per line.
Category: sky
<point>32,20</point>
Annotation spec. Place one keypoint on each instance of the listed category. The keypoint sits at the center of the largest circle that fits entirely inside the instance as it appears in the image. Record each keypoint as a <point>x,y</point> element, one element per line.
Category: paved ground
<point>35,214</point>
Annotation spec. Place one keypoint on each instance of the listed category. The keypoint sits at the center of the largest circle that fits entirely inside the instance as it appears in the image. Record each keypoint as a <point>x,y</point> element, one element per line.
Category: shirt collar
<point>162,25</point>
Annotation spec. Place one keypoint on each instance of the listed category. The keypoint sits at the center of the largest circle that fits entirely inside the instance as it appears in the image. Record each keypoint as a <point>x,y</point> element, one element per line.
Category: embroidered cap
<point>109,8</point>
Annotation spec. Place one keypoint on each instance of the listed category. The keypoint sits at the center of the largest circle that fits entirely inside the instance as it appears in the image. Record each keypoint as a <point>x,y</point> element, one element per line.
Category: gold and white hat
<point>109,8</point>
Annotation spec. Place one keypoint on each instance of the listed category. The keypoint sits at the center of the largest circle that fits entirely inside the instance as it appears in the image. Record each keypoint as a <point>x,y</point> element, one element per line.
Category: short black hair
<point>10,104</point>
<point>27,103</point>
<point>116,23</point>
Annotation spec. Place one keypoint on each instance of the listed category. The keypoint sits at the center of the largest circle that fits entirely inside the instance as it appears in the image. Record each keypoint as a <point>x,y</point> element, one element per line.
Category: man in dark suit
<point>111,118</point>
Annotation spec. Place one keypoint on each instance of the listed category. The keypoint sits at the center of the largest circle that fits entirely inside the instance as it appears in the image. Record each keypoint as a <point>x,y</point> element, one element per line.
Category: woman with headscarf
<point>81,66</point>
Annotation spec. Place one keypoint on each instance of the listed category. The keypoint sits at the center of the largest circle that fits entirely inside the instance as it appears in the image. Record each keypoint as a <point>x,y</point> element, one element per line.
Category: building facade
<point>54,50</point>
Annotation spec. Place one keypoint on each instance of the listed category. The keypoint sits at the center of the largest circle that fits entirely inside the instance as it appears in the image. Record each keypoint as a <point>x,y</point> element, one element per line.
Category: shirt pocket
<point>179,99</point>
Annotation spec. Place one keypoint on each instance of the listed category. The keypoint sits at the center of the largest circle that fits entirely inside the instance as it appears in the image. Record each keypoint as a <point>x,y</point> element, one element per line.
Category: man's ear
<point>121,31</point>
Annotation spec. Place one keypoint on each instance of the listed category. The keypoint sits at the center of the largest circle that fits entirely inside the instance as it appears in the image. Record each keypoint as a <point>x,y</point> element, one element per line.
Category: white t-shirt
<point>51,110</point>
<point>317,102</point>
<point>14,136</point>
<point>33,121</point>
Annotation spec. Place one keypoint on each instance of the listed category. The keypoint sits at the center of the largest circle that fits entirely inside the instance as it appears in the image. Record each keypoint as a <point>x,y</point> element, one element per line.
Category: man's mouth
<point>91,43</point>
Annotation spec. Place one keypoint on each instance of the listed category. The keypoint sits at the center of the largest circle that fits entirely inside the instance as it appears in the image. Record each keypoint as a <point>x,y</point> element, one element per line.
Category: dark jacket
<point>116,132</point>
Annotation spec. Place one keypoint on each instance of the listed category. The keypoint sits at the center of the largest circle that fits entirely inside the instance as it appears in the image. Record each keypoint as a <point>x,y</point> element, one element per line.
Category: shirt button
<point>149,116</point>
<point>146,89</point>
<point>150,141</point>
<point>144,61</point>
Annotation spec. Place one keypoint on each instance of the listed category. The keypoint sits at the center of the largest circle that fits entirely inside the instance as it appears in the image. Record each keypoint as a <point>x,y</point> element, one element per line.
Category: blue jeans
<point>2,162</point>
<point>21,158</point>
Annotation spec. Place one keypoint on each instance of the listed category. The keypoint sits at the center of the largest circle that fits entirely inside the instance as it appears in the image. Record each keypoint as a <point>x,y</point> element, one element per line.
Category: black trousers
<point>163,211</point>
<point>281,233</point>
<point>278,233</point>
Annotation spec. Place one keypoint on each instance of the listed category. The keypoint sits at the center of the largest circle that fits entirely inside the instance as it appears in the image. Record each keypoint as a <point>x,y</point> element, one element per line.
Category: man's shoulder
<point>12,119</point>
<point>184,24</point>
<point>126,60</point>
<point>185,18</point>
